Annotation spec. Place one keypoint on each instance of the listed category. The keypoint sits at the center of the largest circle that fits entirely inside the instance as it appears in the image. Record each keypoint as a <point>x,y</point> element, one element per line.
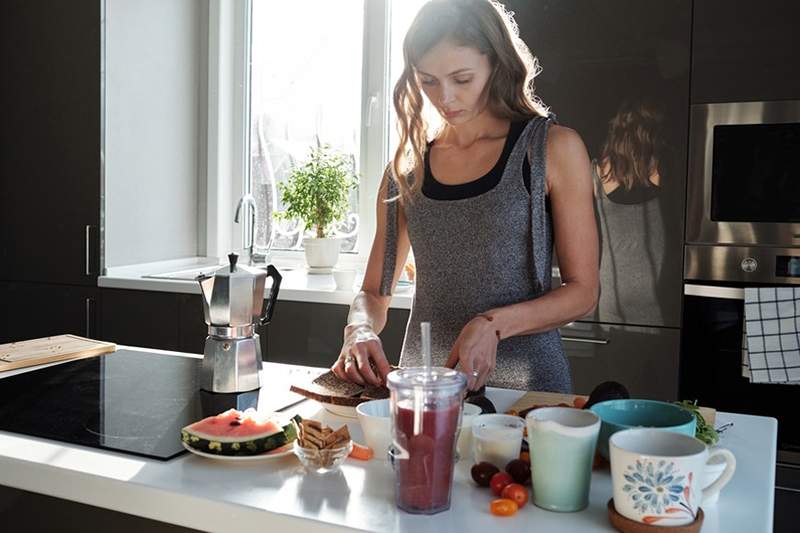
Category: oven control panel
<point>742,264</point>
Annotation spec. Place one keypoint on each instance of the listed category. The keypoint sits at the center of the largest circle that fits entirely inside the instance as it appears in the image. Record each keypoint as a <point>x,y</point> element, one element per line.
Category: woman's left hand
<point>476,351</point>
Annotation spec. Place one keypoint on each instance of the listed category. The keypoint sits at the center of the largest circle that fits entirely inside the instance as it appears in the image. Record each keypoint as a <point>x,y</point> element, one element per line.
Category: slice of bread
<point>329,388</point>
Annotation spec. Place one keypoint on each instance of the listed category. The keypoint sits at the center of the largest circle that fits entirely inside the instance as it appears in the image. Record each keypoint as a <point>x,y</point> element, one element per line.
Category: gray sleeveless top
<point>479,253</point>
<point>631,258</point>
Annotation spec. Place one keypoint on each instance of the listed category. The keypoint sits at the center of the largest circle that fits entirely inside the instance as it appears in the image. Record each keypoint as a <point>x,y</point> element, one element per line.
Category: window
<point>322,72</point>
<point>306,84</point>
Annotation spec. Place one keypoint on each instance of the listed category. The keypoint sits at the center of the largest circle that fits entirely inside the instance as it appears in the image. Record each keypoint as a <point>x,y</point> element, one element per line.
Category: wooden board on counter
<point>50,350</point>
<point>531,398</point>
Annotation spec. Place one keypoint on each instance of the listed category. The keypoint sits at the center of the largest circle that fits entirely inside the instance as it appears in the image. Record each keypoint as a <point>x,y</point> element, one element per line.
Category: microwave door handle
<point>713,291</point>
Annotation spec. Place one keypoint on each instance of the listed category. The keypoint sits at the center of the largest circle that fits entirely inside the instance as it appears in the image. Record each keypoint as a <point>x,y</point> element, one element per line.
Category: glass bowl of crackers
<point>321,449</point>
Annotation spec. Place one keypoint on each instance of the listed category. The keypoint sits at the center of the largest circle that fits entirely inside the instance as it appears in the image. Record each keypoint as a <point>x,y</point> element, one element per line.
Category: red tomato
<point>499,481</point>
<point>503,507</point>
<point>516,492</point>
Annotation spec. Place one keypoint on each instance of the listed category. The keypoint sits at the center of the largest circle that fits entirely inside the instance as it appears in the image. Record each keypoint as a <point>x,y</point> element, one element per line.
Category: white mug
<point>658,476</point>
<point>344,278</point>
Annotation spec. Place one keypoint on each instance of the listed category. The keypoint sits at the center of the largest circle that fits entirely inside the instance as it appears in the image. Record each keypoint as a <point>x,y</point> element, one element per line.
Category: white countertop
<point>276,495</point>
<point>297,284</point>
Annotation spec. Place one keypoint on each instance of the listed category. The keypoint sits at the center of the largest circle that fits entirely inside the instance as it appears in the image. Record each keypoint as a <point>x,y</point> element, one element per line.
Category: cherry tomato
<point>503,507</point>
<point>499,481</point>
<point>516,492</point>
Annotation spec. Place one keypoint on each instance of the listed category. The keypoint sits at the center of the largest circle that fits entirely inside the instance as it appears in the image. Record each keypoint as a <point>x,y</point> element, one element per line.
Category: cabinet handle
<point>87,243</point>
<point>586,340</point>
<point>89,305</point>
<point>714,291</point>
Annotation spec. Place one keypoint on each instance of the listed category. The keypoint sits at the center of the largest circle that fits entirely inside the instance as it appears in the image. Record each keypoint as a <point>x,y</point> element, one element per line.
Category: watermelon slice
<point>240,433</point>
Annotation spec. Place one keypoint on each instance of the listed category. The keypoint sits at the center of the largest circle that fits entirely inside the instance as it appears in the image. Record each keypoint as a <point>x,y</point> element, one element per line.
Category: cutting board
<point>50,350</point>
<point>529,399</point>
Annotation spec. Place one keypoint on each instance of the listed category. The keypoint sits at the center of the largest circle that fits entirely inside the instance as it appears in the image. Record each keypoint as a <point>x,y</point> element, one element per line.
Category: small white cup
<point>344,278</point>
<point>464,445</point>
<point>659,477</point>
<point>496,438</point>
<point>376,425</point>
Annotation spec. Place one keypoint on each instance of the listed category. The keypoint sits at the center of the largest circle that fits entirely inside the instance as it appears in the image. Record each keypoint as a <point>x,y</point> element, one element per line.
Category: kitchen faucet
<point>248,200</point>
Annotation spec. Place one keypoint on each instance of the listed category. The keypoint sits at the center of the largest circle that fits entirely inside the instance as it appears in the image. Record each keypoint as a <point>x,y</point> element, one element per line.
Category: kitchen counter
<point>297,285</point>
<point>275,494</point>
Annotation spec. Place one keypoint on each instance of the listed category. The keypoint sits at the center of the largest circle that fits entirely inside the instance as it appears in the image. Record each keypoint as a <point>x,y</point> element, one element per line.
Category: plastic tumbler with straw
<point>425,405</point>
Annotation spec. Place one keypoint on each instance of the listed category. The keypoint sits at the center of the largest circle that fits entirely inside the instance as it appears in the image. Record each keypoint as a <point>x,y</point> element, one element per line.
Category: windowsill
<point>297,285</point>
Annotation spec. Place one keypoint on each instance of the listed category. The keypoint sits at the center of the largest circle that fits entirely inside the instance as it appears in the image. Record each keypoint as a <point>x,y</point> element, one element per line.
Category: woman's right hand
<point>362,359</point>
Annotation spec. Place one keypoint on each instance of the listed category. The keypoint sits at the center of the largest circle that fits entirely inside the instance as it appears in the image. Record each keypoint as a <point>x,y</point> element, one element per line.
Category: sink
<point>189,275</point>
<point>192,273</point>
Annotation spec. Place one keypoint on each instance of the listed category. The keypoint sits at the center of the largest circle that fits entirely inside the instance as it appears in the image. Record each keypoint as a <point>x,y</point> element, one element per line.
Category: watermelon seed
<point>236,423</point>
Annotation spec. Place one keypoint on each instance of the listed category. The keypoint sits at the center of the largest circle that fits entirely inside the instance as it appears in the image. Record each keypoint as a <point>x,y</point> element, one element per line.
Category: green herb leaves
<point>704,431</point>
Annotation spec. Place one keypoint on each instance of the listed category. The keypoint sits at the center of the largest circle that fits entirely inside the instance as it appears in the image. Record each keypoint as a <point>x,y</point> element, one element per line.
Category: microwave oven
<point>743,185</point>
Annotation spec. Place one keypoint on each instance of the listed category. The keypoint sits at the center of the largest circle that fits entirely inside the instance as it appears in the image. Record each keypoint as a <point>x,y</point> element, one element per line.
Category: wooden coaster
<point>626,525</point>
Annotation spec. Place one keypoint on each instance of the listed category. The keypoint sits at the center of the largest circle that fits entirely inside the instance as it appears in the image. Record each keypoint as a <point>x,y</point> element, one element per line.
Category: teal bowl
<point>617,415</point>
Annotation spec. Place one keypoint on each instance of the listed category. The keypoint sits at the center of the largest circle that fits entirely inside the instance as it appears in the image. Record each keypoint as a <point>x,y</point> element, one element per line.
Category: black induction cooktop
<point>128,401</point>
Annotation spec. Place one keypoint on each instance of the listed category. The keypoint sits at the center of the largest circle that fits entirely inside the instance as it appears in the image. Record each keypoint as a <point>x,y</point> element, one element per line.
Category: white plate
<point>283,451</point>
<point>344,411</point>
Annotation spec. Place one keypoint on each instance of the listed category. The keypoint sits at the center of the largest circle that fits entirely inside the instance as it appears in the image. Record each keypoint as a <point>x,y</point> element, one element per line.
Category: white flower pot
<point>322,253</point>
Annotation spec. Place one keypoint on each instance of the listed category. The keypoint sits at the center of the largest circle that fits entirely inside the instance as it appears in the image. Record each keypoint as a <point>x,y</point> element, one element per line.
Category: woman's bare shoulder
<point>563,140</point>
<point>567,157</point>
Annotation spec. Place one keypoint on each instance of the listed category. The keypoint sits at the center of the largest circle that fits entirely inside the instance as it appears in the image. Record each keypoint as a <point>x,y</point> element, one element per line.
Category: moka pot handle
<point>273,273</point>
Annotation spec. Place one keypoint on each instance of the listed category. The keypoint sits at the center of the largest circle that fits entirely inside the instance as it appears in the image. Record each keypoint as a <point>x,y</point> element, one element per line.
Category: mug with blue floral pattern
<point>657,476</point>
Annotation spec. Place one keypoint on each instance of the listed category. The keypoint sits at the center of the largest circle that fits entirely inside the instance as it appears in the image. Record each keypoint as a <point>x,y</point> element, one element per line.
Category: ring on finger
<point>349,360</point>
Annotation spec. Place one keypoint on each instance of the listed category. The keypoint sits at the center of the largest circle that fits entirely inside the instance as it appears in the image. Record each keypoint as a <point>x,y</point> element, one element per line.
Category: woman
<point>628,178</point>
<point>498,182</point>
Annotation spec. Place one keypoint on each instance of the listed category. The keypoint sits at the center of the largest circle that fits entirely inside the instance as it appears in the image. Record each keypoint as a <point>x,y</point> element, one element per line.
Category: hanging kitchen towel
<point>772,322</point>
<point>745,353</point>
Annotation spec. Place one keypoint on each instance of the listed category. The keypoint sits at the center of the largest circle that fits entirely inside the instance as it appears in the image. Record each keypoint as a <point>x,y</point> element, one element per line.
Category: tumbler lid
<point>436,378</point>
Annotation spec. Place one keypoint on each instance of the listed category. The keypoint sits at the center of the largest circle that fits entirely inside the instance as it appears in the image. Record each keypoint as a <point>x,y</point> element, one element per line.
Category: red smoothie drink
<point>425,476</point>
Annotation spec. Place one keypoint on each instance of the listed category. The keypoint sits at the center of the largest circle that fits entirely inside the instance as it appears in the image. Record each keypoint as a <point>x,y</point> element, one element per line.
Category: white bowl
<point>464,445</point>
<point>376,425</point>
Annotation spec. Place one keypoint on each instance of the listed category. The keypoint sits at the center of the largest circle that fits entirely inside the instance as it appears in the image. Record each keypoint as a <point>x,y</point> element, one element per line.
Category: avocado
<point>607,390</point>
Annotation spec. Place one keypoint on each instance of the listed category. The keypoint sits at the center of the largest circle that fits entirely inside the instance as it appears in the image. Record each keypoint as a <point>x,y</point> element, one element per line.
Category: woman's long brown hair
<point>632,150</point>
<point>481,24</point>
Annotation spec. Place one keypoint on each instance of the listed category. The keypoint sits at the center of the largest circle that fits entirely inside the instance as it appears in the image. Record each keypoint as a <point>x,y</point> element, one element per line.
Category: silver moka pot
<point>233,298</point>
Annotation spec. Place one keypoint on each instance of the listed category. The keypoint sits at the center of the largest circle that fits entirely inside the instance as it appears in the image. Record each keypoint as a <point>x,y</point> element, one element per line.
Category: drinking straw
<point>426,345</point>
<point>419,392</point>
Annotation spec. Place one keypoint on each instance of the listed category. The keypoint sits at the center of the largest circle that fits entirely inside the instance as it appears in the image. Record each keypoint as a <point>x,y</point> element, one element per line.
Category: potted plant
<point>317,193</point>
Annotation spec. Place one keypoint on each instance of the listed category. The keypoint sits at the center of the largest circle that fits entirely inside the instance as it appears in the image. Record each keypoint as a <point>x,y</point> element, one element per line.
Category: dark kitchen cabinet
<point>745,51</point>
<point>34,310</point>
<point>141,318</point>
<point>150,319</point>
<point>645,360</point>
<point>311,334</point>
<point>192,328</point>
<point>301,333</point>
<point>617,72</point>
<point>50,145</point>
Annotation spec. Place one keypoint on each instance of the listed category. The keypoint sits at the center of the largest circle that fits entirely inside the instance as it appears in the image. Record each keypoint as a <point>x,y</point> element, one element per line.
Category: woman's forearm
<point>367,310</point>
<point>556,308</point>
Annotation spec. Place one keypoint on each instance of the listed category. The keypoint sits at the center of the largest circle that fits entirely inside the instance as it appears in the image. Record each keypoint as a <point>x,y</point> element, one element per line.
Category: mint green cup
<point>562,442</point>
